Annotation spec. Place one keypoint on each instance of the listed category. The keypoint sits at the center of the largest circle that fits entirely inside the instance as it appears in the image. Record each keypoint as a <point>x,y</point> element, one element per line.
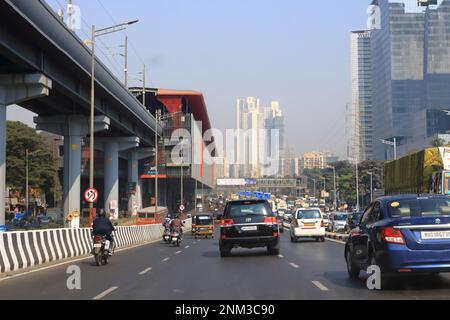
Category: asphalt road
<point>195,271</point>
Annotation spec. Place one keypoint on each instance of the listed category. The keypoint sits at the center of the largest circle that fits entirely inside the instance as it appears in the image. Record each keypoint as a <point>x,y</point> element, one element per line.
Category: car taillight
<point>391,235</point>
<point>270,220</point>
<point>226,222</point>
<point>322,224</point>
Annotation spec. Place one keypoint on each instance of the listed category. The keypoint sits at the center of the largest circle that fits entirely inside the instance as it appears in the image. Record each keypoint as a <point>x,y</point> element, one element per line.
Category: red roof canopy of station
<point>172,99</point>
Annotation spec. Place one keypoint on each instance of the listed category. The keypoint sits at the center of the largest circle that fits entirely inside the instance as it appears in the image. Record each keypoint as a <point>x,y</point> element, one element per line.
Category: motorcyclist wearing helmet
<point>102,226</point>
<point>177,224</point>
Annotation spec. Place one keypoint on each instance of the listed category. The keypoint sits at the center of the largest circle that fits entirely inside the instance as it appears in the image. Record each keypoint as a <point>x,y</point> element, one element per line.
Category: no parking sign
<point>91,195</point>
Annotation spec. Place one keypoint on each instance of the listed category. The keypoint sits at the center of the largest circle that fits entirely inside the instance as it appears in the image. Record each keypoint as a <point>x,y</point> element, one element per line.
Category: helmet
<point>102,213</point>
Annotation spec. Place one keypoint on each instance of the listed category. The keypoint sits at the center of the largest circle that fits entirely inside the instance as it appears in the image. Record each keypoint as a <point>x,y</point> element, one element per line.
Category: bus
<point>147,216</point>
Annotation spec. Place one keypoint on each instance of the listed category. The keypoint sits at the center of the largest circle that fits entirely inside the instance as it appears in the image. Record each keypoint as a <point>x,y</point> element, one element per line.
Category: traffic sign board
<point>182,207</point>
<point>91,195</point>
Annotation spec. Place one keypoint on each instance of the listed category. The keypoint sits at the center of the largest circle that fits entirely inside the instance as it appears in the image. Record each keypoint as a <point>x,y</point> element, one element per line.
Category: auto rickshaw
<point>203,225</point>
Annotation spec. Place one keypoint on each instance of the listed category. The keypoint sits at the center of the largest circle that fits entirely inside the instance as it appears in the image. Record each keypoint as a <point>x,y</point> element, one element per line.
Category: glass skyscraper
<point>361,73</point>
<point>410,72</point>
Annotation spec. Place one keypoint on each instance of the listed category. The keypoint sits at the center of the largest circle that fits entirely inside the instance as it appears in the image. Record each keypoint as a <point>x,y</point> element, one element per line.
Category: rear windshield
<point>340,217</point>
<point>419,207</point>
<point>203,220</point>
<point>242,209</point>
<point>308,214</point>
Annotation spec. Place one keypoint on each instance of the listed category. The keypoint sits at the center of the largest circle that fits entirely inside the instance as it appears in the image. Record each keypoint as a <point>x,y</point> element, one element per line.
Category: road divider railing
<point>26,249</point>
<point>330,235</point>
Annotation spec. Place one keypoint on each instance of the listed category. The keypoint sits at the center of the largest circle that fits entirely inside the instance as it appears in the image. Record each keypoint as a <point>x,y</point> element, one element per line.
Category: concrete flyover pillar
<point>111,147</point>
<point>134,200</point>
<point>14,89</point>
<point>73,128</point>
<point>133,156</point>
<point>2,164</point>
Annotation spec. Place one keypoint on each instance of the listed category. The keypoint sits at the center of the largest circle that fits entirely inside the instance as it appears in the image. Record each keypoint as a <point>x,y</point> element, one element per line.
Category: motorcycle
<point>101,250</point>
<point>167,236</point>
<point>176,238</point>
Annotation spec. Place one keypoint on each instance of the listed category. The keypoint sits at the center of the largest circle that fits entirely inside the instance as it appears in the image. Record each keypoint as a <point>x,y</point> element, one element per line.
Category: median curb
<point>337,236</point>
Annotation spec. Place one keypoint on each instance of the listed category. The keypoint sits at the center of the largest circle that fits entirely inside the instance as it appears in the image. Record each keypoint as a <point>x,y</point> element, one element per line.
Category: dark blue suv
<point>401,234</point>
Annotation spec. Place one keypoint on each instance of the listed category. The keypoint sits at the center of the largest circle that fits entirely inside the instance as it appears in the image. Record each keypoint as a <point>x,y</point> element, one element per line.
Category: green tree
<point>437,142</point>
<point>41,165</point>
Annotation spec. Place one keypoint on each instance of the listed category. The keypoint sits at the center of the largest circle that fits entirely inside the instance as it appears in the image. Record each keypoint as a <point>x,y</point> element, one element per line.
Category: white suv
<point>308,223</point>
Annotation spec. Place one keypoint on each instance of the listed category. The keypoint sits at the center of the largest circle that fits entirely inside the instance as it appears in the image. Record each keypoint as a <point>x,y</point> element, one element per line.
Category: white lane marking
<point>280,256</point>
<point>165,259</point>
<point>25,272</point>
<point>105,293</point>
<point>186,247</point>
<point>320,286</point>
<point>294,265</point>
<point>337,241</point>
<point>145,271</point>
<point>178,252</point>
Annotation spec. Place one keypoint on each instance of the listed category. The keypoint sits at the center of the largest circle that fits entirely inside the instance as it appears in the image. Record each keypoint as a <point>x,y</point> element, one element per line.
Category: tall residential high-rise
<point>410,74</point>
<point>250,121</point>
<point>274,120</point>
<point>361,75</point>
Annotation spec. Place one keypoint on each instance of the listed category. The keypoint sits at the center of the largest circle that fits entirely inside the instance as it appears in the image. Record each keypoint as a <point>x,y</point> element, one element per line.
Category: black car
<point>248,224</point>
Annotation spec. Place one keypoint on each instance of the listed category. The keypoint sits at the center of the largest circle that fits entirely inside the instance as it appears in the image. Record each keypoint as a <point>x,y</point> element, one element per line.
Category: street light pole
<point>371,186</point>
<point>97,33</point>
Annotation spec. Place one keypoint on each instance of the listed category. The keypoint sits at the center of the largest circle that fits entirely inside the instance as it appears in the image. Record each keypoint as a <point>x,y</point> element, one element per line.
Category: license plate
<point>174,239</point>
<point>431,235</point>
<point>249,228</point>
<point>97,245</point>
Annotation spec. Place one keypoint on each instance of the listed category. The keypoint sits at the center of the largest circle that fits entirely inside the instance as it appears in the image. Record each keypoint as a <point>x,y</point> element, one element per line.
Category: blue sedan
<point>401,234</point>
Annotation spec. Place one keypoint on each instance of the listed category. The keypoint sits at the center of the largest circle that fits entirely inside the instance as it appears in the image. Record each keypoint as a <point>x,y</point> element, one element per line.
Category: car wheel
<point>273,250</point>
<point>225,251</point>
<point>352,270</point>
<point>322,239</point>
<point>385,279</point>
<point>292,238</point>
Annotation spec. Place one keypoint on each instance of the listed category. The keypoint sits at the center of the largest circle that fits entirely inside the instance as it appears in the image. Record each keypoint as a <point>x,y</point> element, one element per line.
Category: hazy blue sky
<point>294,51</point>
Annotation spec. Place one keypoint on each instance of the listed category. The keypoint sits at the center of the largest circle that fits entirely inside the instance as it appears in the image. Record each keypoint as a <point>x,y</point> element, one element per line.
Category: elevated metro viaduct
<point>46,68</point>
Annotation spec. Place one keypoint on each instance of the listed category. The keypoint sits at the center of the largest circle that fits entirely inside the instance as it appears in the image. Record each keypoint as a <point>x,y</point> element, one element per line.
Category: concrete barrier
<point>25,249</point>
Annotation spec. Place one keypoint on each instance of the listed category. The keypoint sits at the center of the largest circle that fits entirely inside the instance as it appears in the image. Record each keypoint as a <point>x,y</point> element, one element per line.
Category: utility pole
<point>371,186</point>
<point>126,63</point>
<point>395,148</point>
<point>26,182</point>
<point>357,184</point>
<point>70,7</point>
<point>335,191</point>
<point>181,176</point>
<point>143,85</point>
<point>158,119</point>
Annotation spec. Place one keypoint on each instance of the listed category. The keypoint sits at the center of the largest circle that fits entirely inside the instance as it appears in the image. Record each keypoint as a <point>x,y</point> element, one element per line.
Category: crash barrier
<point>337,236</point>
<point>330,235</point>
<point>25,249</point>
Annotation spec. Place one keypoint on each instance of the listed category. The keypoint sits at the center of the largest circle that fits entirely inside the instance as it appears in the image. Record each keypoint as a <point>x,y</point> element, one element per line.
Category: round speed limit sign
<point>91,195</point>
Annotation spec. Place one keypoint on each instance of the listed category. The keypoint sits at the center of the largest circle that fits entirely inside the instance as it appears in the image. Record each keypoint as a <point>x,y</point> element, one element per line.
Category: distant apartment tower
<point>410,74</point>
<point>361,75</point>
<point>310,160</point>
<point>274,120</point>
<point>250,119</point>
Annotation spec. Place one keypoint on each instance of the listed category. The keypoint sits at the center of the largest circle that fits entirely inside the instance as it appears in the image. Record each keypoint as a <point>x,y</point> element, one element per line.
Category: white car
<point>308,223</point>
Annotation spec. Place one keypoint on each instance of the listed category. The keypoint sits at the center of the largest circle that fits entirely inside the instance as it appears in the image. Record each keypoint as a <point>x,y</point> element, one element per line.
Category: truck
<point>423,172</point>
